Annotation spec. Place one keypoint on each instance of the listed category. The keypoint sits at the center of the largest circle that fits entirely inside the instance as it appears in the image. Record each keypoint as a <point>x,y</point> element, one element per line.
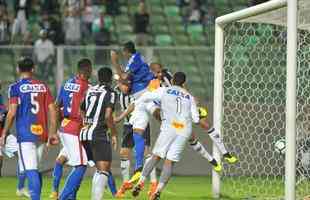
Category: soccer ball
<point>280,146</point>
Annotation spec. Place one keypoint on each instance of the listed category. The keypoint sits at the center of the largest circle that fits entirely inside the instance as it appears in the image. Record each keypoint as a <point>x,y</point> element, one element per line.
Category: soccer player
<point>138,73</point>
<point>127,144</point>
<point>98,108</point>
<point>163,79</point>
<point>30,102</point>
<point>68,101</point>
<point>179,110</point>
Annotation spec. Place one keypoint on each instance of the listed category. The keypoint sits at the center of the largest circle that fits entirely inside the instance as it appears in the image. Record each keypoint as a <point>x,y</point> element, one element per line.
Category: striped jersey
<point>98,99</point>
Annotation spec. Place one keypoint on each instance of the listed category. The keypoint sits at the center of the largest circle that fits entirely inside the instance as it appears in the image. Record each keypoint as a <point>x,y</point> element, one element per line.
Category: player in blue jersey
<point>137,71</point>
<point>30,104</point>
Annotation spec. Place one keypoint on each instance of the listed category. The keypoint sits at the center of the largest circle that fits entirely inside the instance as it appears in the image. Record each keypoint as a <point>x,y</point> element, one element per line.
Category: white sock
<point>125,168</point>
<point>160,187</point>
<point>100,180</point>
<point>153,176</point>
<point>215,137</point>
<point>199,148</point>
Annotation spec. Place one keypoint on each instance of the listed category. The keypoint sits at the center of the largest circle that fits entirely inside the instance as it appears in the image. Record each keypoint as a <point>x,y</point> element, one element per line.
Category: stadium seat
<point>124,10</point>
<point>126,37</point>
<point>163,40</point>
<point>124,28</point>
<point>155,2</point>
<point>176,28</point>
<point>195,29</point>
<point>181,39</point>
<point>156,9</point>
<point>122,19</point>
<point>160,29</point>
<point>172,11</point>
<point>158,19</point>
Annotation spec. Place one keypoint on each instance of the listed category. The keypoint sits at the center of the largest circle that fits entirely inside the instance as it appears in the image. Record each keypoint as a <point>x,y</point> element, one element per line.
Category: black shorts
<point>127,140</point>
<point>101,150</point>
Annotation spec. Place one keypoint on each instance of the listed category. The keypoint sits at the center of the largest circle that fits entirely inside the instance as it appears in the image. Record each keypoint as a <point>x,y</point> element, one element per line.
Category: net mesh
<point>254,104</point>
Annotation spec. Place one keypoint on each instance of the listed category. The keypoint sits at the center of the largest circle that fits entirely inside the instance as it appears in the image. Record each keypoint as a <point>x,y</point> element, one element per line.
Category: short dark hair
<point>25,64</point>
<point>84,65</point>
<point>130,47</point>
<point>179,78</point>
<point>105,75</point>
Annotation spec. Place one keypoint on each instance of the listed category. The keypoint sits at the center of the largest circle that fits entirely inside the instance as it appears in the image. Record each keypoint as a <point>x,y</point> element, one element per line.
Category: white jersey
<point>178,107</point>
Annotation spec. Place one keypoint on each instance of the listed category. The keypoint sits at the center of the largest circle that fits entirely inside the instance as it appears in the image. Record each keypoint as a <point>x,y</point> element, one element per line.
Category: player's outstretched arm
<point>124,114</point>
<point>115,63</point>
<point>111,126</point>
<point>52,129</point>
<point>8,122</point>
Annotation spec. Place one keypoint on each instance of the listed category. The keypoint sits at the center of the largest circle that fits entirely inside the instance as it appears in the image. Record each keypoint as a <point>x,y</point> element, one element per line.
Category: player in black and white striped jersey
<point>97,109</point>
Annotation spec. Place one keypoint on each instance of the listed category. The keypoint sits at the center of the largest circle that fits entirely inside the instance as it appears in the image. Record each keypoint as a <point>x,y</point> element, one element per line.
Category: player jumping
<point>98,107</point>
<point>138,73</point>
<point>179,110</point>
<point>30,102</point>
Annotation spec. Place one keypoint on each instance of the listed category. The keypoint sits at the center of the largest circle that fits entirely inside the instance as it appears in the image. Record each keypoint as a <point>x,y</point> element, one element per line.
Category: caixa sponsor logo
<point>72,87</point>
<point>25,88</point>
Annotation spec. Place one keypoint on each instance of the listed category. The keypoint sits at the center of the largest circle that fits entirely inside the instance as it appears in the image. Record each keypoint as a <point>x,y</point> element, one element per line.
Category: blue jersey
<point>70,97</point>
<point>140,73</point>
<point>32,98</point>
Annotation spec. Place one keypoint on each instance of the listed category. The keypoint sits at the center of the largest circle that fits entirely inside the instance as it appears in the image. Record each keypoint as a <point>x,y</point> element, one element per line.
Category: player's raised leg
<point>199,148</point>
<point>216,138</point>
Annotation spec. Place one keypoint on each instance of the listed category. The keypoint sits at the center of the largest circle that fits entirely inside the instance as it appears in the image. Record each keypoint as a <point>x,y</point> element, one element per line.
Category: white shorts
<point>73,149</point>
<point>139,117</point>
<point>170,145</point>
<point>11,146</point>
<point>29,155</point>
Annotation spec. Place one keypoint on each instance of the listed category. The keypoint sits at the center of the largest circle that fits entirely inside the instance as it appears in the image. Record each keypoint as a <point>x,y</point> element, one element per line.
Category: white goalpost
<point>260,96</point>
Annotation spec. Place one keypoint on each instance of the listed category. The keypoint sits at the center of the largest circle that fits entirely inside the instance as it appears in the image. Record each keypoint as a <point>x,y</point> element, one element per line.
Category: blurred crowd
<point>64,22</point>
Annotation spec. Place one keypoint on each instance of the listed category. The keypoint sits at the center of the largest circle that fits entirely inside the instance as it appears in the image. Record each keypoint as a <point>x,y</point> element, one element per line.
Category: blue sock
<point>57,174</point>
<point>139,150</point>
<point>73,182</point>
<point>111,183</point>
<point>34,184</point>
<point>21,179</point>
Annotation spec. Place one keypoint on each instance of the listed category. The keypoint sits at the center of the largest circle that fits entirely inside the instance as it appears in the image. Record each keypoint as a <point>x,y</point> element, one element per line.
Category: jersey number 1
<point>179,105</point>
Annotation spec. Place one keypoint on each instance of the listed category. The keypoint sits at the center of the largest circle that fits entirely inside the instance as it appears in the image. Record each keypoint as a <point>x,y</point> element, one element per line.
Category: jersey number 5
<point>35,104</point>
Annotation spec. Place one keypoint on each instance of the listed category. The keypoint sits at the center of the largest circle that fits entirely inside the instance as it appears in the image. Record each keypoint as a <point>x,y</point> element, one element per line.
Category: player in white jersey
<point>178,112</point>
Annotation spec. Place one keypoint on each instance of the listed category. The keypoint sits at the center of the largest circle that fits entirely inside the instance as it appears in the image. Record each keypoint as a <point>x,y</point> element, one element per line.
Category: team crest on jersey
<point>72,87</point>
<point>26,88</point>
<point>178,93</point>
<point>37,129</point>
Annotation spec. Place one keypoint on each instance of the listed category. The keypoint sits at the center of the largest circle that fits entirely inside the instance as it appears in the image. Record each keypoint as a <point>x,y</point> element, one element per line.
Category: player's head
<point>25,65</point>
<point>84,68</point>
<point>129,49</point>
<point>179,78</point>
<point>157,70</point>
<point>105,75</point>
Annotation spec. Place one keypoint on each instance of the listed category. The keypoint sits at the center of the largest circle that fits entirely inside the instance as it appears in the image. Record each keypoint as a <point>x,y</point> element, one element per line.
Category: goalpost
<point>261,95</point>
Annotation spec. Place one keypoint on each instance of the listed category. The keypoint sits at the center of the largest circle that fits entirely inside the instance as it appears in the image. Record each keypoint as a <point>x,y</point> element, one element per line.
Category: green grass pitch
<point>179,188</point>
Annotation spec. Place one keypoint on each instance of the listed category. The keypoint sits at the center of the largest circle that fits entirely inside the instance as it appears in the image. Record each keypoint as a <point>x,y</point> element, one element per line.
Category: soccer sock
<point>34,184</point>
<point>21,179</point>
<point>125,168</point>
<point>148,167</point>
<point>153,176</point>
<point>139,150</point>
<point>73,182</point>
<point>215,137</point>
<point>199,148</point>
<point>57,174</point>
<point>100,180</point>
<point>164,177</point>
<point>111,183</point>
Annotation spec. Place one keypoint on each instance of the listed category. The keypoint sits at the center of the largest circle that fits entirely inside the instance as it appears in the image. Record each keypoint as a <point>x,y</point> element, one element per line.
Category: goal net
<point>253,105</point>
